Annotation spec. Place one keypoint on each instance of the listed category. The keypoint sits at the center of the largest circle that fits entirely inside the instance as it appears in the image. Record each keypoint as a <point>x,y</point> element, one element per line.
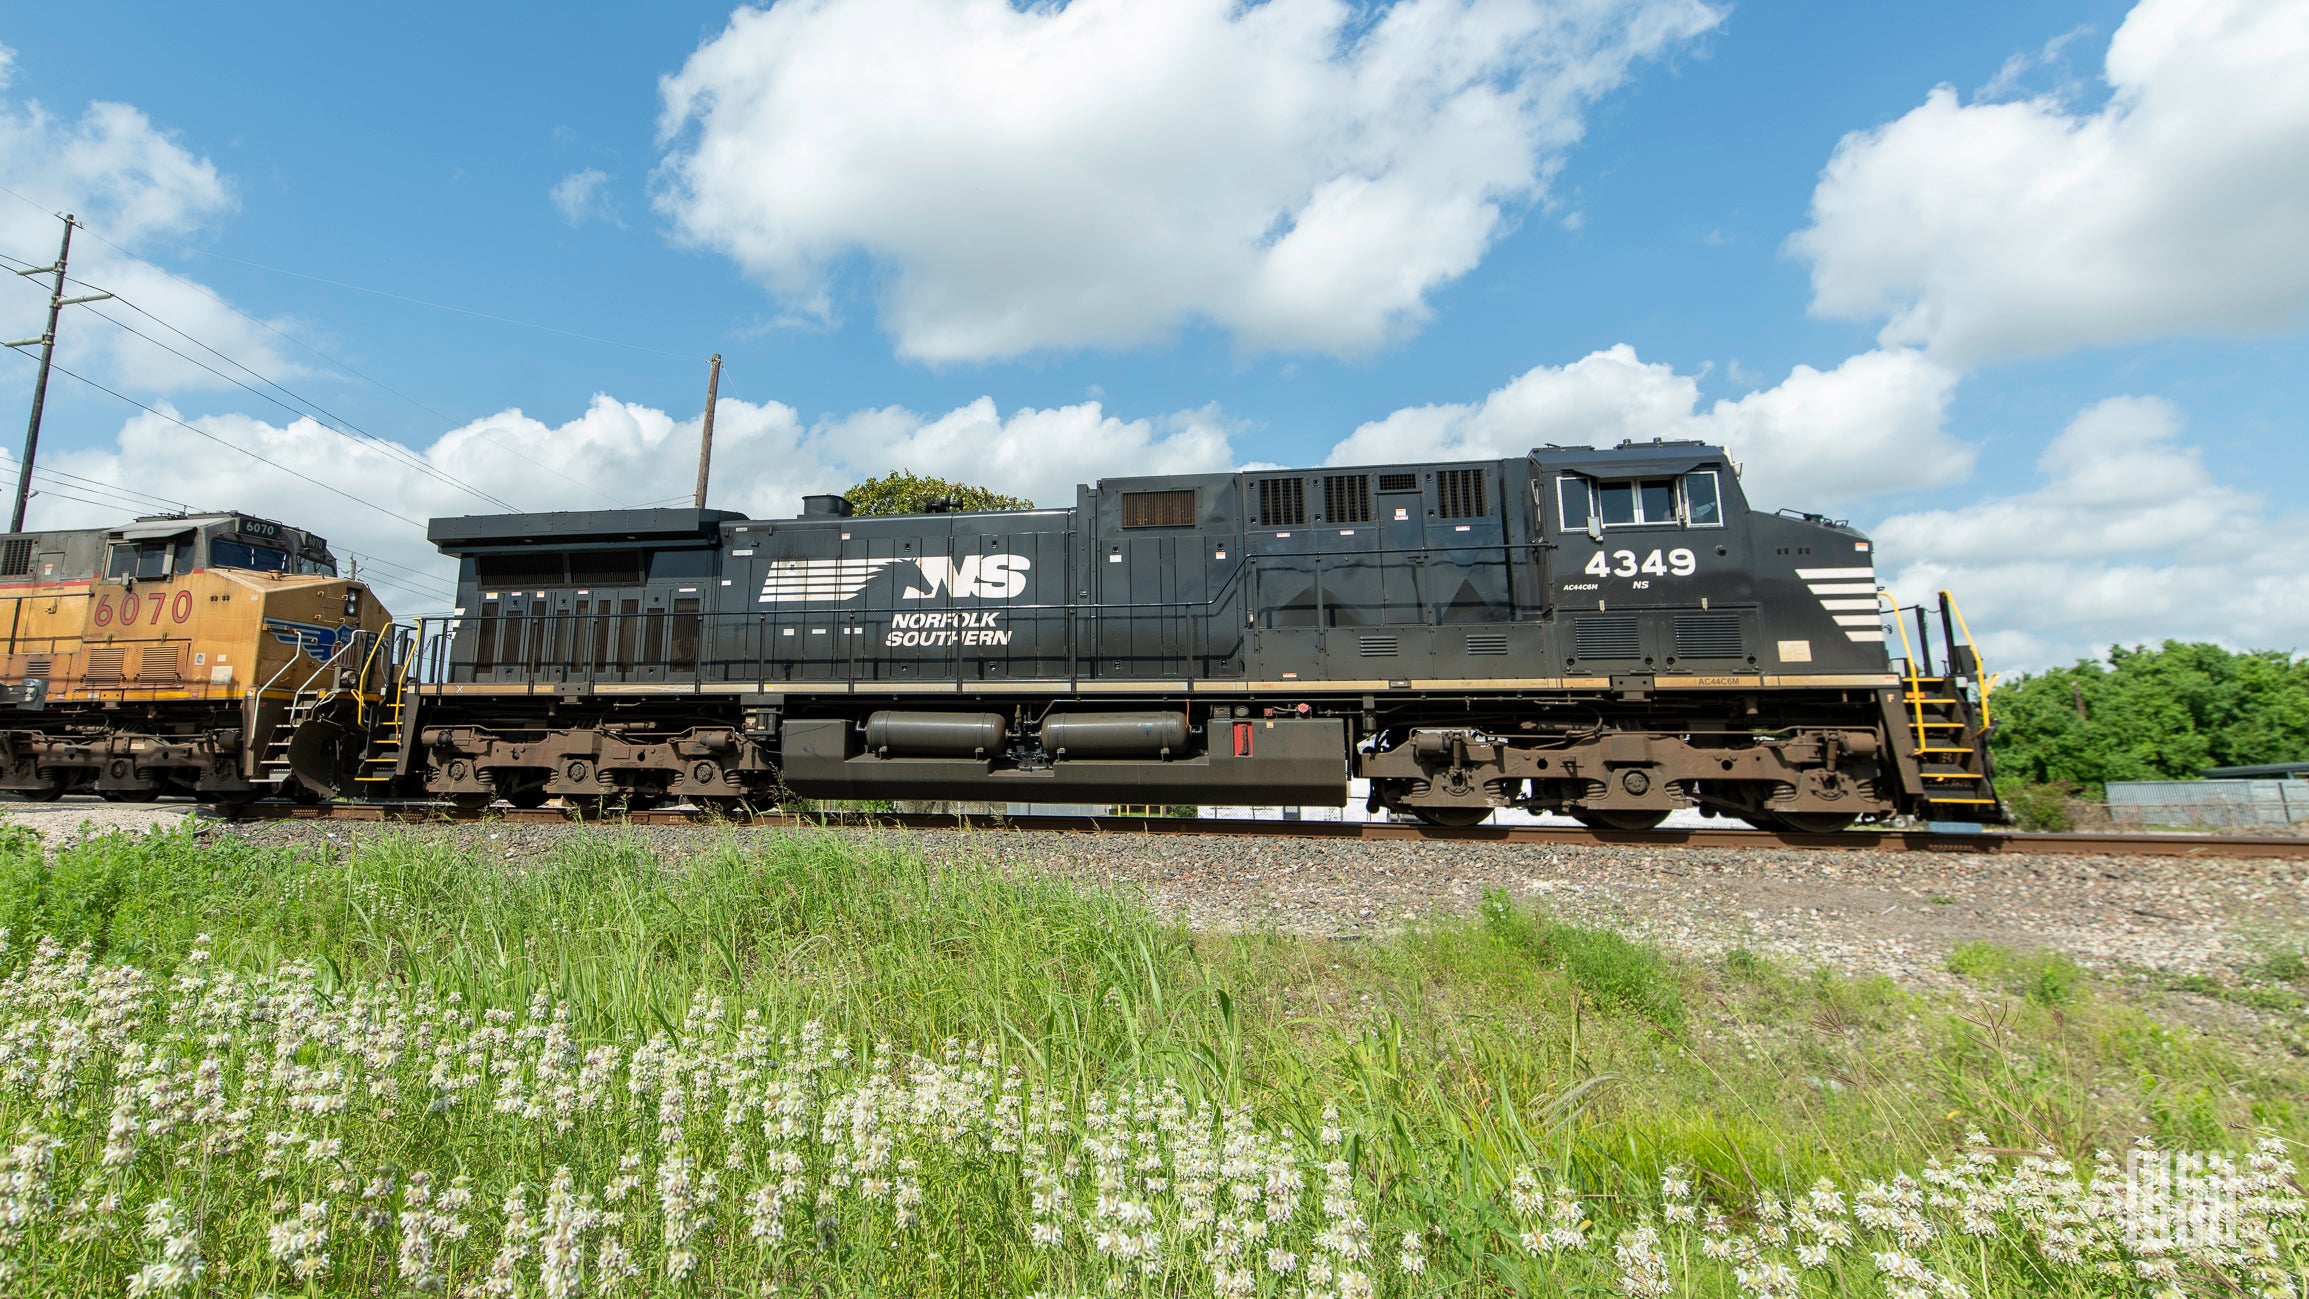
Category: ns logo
<point>993,577</point>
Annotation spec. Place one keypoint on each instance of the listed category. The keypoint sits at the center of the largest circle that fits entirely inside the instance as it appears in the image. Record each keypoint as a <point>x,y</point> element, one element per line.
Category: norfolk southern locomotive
<point>1608,633</point>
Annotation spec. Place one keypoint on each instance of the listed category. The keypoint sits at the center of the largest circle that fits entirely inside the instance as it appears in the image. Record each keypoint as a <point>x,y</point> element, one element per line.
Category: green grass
<point>1448,1058</point>
<point>2046,978</point>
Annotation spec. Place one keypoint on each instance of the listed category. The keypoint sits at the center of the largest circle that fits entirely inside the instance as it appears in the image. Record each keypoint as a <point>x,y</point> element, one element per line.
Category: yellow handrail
<point>1915,691</point>
<point>360,696</point>
<point>1979,665</point>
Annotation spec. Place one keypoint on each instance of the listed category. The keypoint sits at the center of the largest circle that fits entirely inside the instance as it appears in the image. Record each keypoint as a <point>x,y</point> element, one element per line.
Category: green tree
<point>906,492</point>
<point>2153,714</point>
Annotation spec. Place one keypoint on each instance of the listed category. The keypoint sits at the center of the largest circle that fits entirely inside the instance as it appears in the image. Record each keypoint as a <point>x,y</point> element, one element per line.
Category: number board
<point>260,528</point>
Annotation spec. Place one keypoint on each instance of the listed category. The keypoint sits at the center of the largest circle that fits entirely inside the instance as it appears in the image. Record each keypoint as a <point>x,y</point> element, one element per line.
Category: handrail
<point>1915,691</point>
<point>1979,665</point>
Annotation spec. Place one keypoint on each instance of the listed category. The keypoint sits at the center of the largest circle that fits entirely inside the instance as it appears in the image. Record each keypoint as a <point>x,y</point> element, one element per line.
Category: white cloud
<point>583,196</point>
<point>1302,173</point>
<point>614,454</point>
<point>1992,230</point>
<point>1820,439</point>
<point>135,188</point>
<point>2128,539</point>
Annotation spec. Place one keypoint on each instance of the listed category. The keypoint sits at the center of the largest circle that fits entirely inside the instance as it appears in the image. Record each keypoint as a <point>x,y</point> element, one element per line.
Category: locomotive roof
<point>1658,456</point>
<point>147,527</point>
<point>478,531</point>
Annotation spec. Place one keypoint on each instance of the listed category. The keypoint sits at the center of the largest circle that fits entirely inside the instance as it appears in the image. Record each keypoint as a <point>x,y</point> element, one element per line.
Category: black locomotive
<point>1609,633</point>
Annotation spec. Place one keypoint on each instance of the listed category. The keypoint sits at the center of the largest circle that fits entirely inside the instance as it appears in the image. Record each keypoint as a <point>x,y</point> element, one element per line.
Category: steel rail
<point>1864,840</point>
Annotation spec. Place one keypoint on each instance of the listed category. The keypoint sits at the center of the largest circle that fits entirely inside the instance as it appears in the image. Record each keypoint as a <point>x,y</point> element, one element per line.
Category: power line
<point>161,414</point>
<point>141,500</point>
<point>415,581</point>
<point>202,289</point>
<point>400,452</point>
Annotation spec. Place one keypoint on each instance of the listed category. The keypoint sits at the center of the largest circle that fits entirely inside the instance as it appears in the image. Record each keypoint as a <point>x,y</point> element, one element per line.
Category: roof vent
<point>828,506</point>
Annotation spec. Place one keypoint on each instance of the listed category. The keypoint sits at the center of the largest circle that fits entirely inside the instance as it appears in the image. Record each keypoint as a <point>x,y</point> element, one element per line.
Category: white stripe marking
<point>1875,636</point>
<point>1843,588</point>
<point>1848,604</point>
<point>1857,620</point>
<point>1815,574</point>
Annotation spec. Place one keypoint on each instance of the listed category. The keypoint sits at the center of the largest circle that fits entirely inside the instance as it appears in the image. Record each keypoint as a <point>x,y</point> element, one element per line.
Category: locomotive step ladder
<point>360,681</point>
<point>1947,717</point>
<point>386,721</point>
<point>276,767</point>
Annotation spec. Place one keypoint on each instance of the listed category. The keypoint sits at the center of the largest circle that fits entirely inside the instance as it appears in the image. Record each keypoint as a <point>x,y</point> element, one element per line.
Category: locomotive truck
<point>1610,633</point>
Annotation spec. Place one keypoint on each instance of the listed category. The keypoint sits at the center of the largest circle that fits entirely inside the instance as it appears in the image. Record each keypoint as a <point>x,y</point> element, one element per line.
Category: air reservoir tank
<point>892,734</point>
<point>1115,735</point>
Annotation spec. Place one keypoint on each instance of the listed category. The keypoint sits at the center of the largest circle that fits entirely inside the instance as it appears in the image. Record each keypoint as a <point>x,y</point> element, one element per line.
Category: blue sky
<point>822,234</point>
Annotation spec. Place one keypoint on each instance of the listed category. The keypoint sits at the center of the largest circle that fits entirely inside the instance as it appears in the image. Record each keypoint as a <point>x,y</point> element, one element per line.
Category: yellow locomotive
<point>216,655</point>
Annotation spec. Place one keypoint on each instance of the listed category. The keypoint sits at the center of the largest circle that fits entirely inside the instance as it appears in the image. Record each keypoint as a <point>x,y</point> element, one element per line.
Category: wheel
<point>144,795</point>
<point>1813,822</point>
<point>470,802</point>
<point>47,793</point>
<point>1454,818</point>
<point>1599,819</point>
<point>534,796</point>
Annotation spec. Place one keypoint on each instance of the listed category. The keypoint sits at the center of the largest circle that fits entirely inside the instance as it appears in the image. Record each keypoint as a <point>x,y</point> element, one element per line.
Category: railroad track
<point>1997,841</point>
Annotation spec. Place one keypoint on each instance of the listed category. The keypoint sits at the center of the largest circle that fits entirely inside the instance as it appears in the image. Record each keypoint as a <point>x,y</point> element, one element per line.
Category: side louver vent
<point>1347,498</point>
<point>1172,509</point>
<point>1709,636</point>
<point>1606,638</point>
<point>158,663</point>
<point>104,665</point>
<point>1487,642</point>
<point>16,557</point>
<point>1399,482</point>
<point>1459,493</point>
<point>1282,502</point>
<point>1376,647</point>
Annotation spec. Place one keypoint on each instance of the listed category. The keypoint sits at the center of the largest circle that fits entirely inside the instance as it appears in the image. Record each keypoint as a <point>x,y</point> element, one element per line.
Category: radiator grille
<point>1606,638</point>
<point>1709,636</point>
<point>104,665</point>
<point>38,666</point>
<point>1459,493</point>
<point>1487,642</point>
<point>16,557</point>
<point>1347,498</point>
<point>1376,647</point>
<point>1282,502</point>
<point>1399,482</point>
<point>1158,509</point>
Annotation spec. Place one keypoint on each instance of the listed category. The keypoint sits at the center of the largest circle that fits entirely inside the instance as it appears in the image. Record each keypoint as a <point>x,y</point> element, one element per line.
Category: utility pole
<point>706,435</point>
<point>57,302</point>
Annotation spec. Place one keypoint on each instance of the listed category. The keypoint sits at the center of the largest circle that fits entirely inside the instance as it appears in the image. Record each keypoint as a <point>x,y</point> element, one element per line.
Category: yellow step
<point>1935,798</point>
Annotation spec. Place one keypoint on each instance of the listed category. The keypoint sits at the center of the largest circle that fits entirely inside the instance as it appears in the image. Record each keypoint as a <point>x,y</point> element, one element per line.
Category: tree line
<point>2152,714</point>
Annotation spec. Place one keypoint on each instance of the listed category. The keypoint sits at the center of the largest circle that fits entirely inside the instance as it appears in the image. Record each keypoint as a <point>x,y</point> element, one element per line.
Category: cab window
<point>146,561</point>
<point>235,554</point>
<point>1691,500</point>
<point>1702,509</point>
<point>1578,506</point>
